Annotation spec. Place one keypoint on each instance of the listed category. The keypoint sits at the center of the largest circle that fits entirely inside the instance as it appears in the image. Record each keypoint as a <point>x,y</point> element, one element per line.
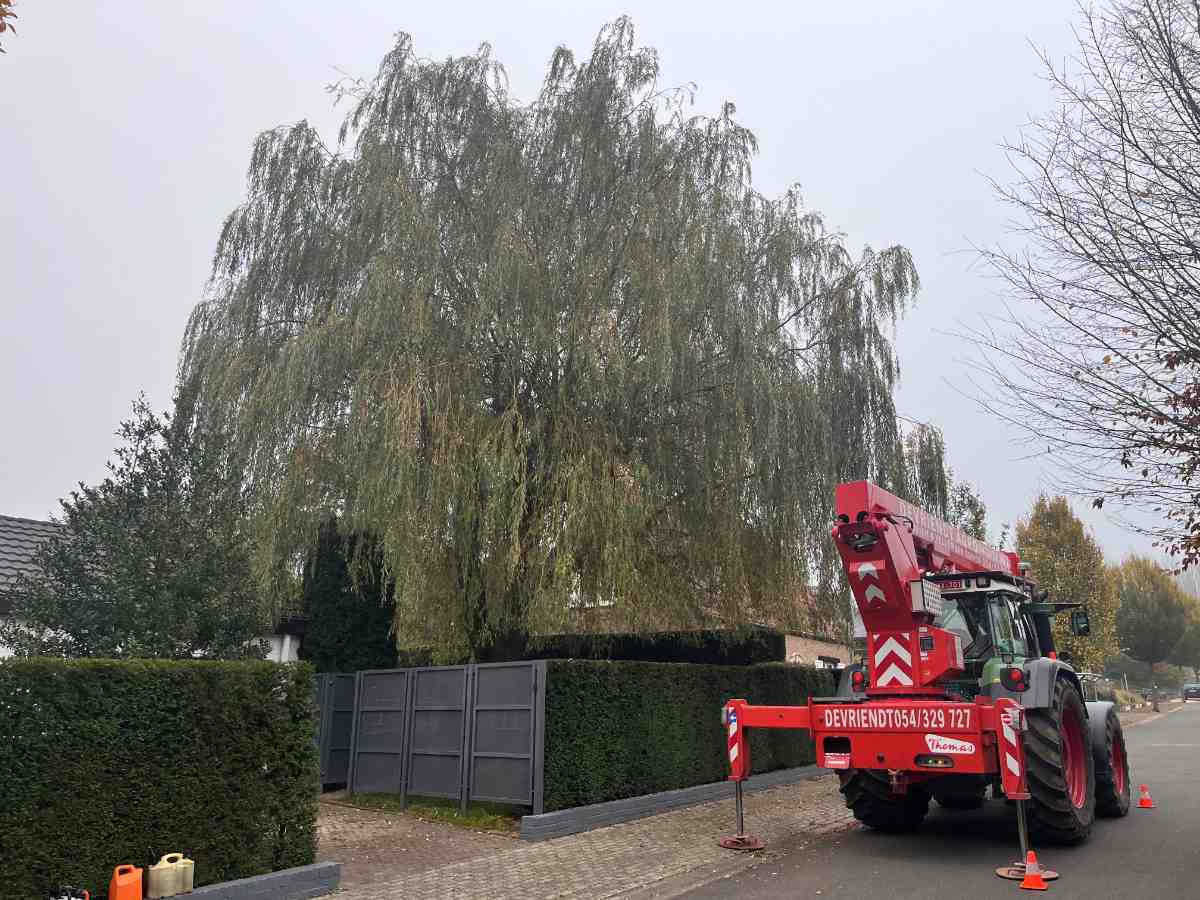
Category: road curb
<point>597,815</point>
<point>1153,718</point>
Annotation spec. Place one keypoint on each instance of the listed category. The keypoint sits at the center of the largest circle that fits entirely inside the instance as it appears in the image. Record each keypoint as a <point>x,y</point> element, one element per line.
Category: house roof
<point>19,541</point>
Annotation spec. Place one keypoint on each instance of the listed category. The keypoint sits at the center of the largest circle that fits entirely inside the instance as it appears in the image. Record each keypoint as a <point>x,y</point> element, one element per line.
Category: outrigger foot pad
<point>1016,872</point>
<point>742,842</point>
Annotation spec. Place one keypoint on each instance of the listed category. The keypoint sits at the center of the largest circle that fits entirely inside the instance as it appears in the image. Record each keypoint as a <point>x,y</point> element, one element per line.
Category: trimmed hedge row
<point>623,729</point>
<point>105,762</point>
<point>714,648</point>
<point>711,647</point>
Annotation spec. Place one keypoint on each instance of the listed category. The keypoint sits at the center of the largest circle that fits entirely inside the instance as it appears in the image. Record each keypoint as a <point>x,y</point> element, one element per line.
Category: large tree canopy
<point>550,353</point>
<point>1099,359</point>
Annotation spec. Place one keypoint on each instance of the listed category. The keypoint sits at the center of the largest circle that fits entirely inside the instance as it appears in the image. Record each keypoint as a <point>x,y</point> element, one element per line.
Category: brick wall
<point>800,649</point>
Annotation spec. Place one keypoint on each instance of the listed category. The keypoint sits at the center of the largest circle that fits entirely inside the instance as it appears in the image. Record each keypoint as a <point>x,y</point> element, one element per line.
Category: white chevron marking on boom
<point>867,570</point>
<point>891,645</point>
<point>893,675</point>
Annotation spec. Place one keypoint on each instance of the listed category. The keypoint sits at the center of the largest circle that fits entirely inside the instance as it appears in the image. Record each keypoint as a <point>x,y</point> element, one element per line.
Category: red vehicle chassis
<point>913,739</point>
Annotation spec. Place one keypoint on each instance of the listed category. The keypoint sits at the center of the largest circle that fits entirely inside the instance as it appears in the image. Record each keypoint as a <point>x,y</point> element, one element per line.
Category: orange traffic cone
<point>1033,880</point>
<point>1145,801</point>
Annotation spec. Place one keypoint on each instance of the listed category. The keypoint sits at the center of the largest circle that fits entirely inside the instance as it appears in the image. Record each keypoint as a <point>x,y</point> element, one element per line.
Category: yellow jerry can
<point>187,874</point>
<point>164,877</point>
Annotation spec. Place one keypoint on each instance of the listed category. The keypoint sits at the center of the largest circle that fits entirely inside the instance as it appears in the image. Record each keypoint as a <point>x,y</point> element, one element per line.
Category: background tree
<point>928,480</point>
<point>1187,650</point>
<point>1154,611</point>
<point>150,562</point>
<point>1099,357</point>
<point>1066,561</point>
<point>7,16</point>
<point>347,614</point>
<point>551,354</point>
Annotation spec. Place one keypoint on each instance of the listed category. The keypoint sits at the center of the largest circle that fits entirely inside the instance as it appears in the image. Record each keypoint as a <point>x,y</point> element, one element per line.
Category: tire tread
<point>1052,816</point>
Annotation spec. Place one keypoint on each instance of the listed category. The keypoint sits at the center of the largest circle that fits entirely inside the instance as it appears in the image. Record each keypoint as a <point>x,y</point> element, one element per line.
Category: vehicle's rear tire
<point>1112,769</point>
<point>869,796</point>
<point>1060,769</point>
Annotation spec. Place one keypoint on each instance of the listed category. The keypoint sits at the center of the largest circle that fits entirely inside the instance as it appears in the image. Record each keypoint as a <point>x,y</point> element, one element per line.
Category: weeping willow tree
<point>555,355</point>
<point>928,481</point>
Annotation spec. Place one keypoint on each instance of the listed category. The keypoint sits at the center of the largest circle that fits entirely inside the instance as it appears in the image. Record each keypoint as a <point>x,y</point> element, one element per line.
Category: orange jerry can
<point>126,883</point>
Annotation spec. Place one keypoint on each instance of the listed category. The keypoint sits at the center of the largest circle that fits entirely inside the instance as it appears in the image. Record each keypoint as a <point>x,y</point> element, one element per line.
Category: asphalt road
<point>1149,853</point>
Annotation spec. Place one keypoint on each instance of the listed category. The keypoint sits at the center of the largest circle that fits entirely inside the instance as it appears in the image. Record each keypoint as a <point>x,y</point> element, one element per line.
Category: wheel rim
<point>1074,763</point>
<point>1117,758</point>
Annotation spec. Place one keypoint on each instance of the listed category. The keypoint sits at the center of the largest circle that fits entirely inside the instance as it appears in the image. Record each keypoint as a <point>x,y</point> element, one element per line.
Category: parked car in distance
<point>1190,692</point>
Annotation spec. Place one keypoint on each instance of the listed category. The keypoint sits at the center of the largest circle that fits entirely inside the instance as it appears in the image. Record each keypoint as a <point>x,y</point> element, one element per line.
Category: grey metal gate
<point>438,740</point>
<point>335,699</point>
<point>380,731</point>
<point>457,732</point>
<point>508,712</point>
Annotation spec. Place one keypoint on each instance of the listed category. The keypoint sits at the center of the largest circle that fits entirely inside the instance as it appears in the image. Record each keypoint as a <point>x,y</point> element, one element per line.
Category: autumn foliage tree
<point>549,354</point>
<point>1067,562</point>
<point>1098,360</point>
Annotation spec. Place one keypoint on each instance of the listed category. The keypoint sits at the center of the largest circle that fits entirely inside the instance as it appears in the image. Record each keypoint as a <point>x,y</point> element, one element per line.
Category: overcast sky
<point>125,132</point>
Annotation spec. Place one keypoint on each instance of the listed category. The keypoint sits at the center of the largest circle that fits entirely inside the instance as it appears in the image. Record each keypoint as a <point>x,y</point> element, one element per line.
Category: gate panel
<point>335,760</point>
<point>380,718</point>
<point>505,754</point>
<point>472,732</point>
<point>438,731</point>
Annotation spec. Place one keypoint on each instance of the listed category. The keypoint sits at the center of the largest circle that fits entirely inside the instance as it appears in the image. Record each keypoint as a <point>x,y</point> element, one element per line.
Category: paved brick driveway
<point>622,860</point>
<point>374,846</point>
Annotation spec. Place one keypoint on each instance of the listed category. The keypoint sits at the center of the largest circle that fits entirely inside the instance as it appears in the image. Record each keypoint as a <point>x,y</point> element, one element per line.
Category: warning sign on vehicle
<point>837,760</point>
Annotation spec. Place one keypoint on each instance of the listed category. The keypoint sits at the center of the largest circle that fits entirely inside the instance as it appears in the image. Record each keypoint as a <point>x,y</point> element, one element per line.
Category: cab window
<point>967,616</point>
<point>1006,628</point>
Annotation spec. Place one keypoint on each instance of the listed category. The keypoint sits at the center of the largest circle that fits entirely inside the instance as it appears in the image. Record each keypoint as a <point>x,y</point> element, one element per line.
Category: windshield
<point>968,618</point>
<point>985,622</point>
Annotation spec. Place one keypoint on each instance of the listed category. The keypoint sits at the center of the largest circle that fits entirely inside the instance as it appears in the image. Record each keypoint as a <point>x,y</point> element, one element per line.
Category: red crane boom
<point>888,546</point>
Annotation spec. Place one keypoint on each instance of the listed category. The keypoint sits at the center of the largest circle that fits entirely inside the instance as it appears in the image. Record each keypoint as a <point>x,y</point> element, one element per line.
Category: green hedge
<point>717,648</point>
<point>623,729</point>
<point>105,762</point>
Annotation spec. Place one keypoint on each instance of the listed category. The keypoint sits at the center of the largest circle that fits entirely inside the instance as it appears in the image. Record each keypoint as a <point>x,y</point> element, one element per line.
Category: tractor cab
<point>986,612</point>
<point>1001,626</point>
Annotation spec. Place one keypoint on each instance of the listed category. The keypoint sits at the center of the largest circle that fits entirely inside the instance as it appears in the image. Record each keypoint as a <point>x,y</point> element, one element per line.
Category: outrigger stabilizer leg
<point>1011,751</point>
<point>741,840</point>
<point>739,765</point>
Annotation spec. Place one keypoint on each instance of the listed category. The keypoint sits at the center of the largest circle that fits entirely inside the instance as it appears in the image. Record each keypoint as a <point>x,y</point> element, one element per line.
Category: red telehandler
<point>961,689</point>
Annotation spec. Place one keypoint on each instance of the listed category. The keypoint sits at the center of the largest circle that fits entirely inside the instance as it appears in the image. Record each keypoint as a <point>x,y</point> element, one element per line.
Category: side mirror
<point>1081,625</point>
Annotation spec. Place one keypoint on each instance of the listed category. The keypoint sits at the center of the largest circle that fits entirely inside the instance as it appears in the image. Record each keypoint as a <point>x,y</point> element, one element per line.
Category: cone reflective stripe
<point>1033,880</point>
<point>1145,801</point>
